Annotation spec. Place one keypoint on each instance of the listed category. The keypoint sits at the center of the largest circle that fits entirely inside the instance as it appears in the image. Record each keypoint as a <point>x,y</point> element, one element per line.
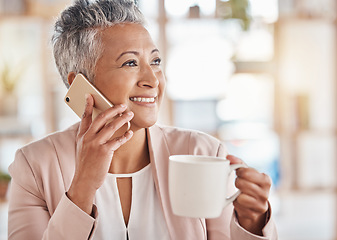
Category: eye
<point>130,63</point>
<point>156,62</point>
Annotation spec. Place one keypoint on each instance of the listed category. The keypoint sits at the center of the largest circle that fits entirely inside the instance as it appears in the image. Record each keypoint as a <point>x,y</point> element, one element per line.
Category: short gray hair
<point>76,44</point>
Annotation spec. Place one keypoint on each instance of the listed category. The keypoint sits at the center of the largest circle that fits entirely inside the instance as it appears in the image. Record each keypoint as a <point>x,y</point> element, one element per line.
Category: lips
<point>143,99</point>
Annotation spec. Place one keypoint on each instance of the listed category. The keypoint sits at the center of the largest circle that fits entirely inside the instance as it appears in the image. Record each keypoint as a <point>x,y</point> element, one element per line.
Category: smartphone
<point>75,98</point>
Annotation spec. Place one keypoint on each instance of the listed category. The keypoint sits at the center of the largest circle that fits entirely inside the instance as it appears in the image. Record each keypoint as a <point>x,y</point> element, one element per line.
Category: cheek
<point>115,91</point>
<point>162,82</point>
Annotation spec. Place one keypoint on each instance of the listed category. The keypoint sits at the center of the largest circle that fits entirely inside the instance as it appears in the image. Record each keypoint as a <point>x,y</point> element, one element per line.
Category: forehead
<point>126,36</point>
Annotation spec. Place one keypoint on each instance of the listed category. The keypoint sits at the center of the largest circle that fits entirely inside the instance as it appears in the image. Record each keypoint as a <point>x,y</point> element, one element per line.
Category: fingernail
<point>122,105</point>
<point>129,113</point>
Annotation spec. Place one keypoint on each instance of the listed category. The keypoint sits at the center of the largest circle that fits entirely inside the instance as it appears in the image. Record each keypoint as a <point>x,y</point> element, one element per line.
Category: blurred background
<point>258,74</point>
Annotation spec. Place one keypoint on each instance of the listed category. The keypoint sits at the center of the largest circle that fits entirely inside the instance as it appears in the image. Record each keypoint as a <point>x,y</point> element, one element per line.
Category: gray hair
<point>76,44</point>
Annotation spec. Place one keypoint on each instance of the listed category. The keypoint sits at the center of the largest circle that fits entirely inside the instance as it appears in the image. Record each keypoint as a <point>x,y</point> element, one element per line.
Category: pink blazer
<point>42,172</point>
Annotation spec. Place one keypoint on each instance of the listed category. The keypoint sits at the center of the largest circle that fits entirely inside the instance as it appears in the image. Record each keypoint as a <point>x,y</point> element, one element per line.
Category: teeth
<point>139,99</point>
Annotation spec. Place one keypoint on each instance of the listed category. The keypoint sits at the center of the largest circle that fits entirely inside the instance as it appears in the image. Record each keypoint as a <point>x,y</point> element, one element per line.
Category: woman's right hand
<point>94,151</point>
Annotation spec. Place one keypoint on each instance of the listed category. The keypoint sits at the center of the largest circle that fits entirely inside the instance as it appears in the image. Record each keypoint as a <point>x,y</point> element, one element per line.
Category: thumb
<point>233,159</point>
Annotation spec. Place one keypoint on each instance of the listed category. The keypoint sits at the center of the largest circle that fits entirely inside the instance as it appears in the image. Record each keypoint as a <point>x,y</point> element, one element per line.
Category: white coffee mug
<point>198,185</point>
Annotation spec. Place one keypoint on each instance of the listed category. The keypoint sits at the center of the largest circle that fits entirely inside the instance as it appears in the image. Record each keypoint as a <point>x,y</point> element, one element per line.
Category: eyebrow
<point>135,53</point>
<point>155,50</point>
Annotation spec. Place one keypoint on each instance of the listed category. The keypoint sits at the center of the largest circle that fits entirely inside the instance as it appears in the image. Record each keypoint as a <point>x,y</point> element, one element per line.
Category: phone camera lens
<point>67,99</point>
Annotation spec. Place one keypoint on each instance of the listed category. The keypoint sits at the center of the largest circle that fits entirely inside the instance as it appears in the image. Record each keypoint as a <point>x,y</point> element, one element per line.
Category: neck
<point>131,156</point>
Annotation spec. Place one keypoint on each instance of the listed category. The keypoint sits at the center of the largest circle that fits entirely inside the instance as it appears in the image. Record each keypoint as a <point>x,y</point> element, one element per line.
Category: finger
<point>244,201</point>
<point>252,189</point>
<point>244,212</point>
<point>115,143</point>
<point>110,129</point>
<point>87,115</point>
<point>252,175</point>
<point>234,160</point>
<point>105,117</point>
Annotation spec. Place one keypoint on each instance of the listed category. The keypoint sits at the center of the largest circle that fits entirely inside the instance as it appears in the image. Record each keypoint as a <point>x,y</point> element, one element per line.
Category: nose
<point>148,78</point>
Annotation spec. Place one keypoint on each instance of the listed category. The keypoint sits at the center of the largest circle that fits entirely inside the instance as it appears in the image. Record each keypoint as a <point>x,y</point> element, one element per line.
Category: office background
<point>258,74</point>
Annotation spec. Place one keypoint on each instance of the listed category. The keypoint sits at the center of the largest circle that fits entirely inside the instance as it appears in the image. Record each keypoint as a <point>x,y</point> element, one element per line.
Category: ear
<point>71,77</point>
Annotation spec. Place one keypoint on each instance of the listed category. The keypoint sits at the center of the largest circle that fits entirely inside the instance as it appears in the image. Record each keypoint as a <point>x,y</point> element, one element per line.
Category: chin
<point>143,123</point>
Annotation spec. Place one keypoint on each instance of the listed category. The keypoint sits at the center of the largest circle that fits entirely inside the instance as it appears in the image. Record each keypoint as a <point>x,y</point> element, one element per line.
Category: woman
<point>85,183</point>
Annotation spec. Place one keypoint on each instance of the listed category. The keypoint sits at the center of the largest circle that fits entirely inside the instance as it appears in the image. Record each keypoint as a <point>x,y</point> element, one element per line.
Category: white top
<point>146,219</point>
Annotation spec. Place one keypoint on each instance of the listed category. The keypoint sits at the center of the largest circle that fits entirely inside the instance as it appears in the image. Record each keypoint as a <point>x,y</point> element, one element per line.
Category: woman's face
<point>129,72</point>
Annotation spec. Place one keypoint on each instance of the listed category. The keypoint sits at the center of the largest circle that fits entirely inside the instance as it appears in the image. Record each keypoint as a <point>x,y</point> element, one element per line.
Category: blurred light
<point>255,45</point>
<point>149,8</point>
<point>199,69</point>
<point>243,131</point>
<point>265,9</point>
<point>178,8</point>
<point>207,7</point>
<point>248,97</point>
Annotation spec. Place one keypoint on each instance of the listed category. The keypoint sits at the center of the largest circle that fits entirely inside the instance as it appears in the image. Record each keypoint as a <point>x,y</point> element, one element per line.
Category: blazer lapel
<point>179,227</point>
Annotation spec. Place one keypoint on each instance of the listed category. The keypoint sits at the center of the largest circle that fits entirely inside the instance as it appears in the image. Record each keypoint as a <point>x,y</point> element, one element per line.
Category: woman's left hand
<point>251,206</point>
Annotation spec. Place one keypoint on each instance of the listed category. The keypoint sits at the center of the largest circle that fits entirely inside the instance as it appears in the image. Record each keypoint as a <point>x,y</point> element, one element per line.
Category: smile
<point>142,99</point>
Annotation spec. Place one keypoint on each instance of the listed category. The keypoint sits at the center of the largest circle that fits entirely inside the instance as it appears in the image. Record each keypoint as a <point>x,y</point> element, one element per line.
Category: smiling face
<point>129,72</point>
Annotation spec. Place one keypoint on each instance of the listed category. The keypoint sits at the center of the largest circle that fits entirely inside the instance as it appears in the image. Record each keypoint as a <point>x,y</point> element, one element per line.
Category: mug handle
<point>231,199</point>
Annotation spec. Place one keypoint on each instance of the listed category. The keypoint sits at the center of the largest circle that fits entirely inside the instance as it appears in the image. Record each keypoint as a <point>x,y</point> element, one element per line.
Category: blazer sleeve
<point>227,226</point>
<point>29,216</point>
